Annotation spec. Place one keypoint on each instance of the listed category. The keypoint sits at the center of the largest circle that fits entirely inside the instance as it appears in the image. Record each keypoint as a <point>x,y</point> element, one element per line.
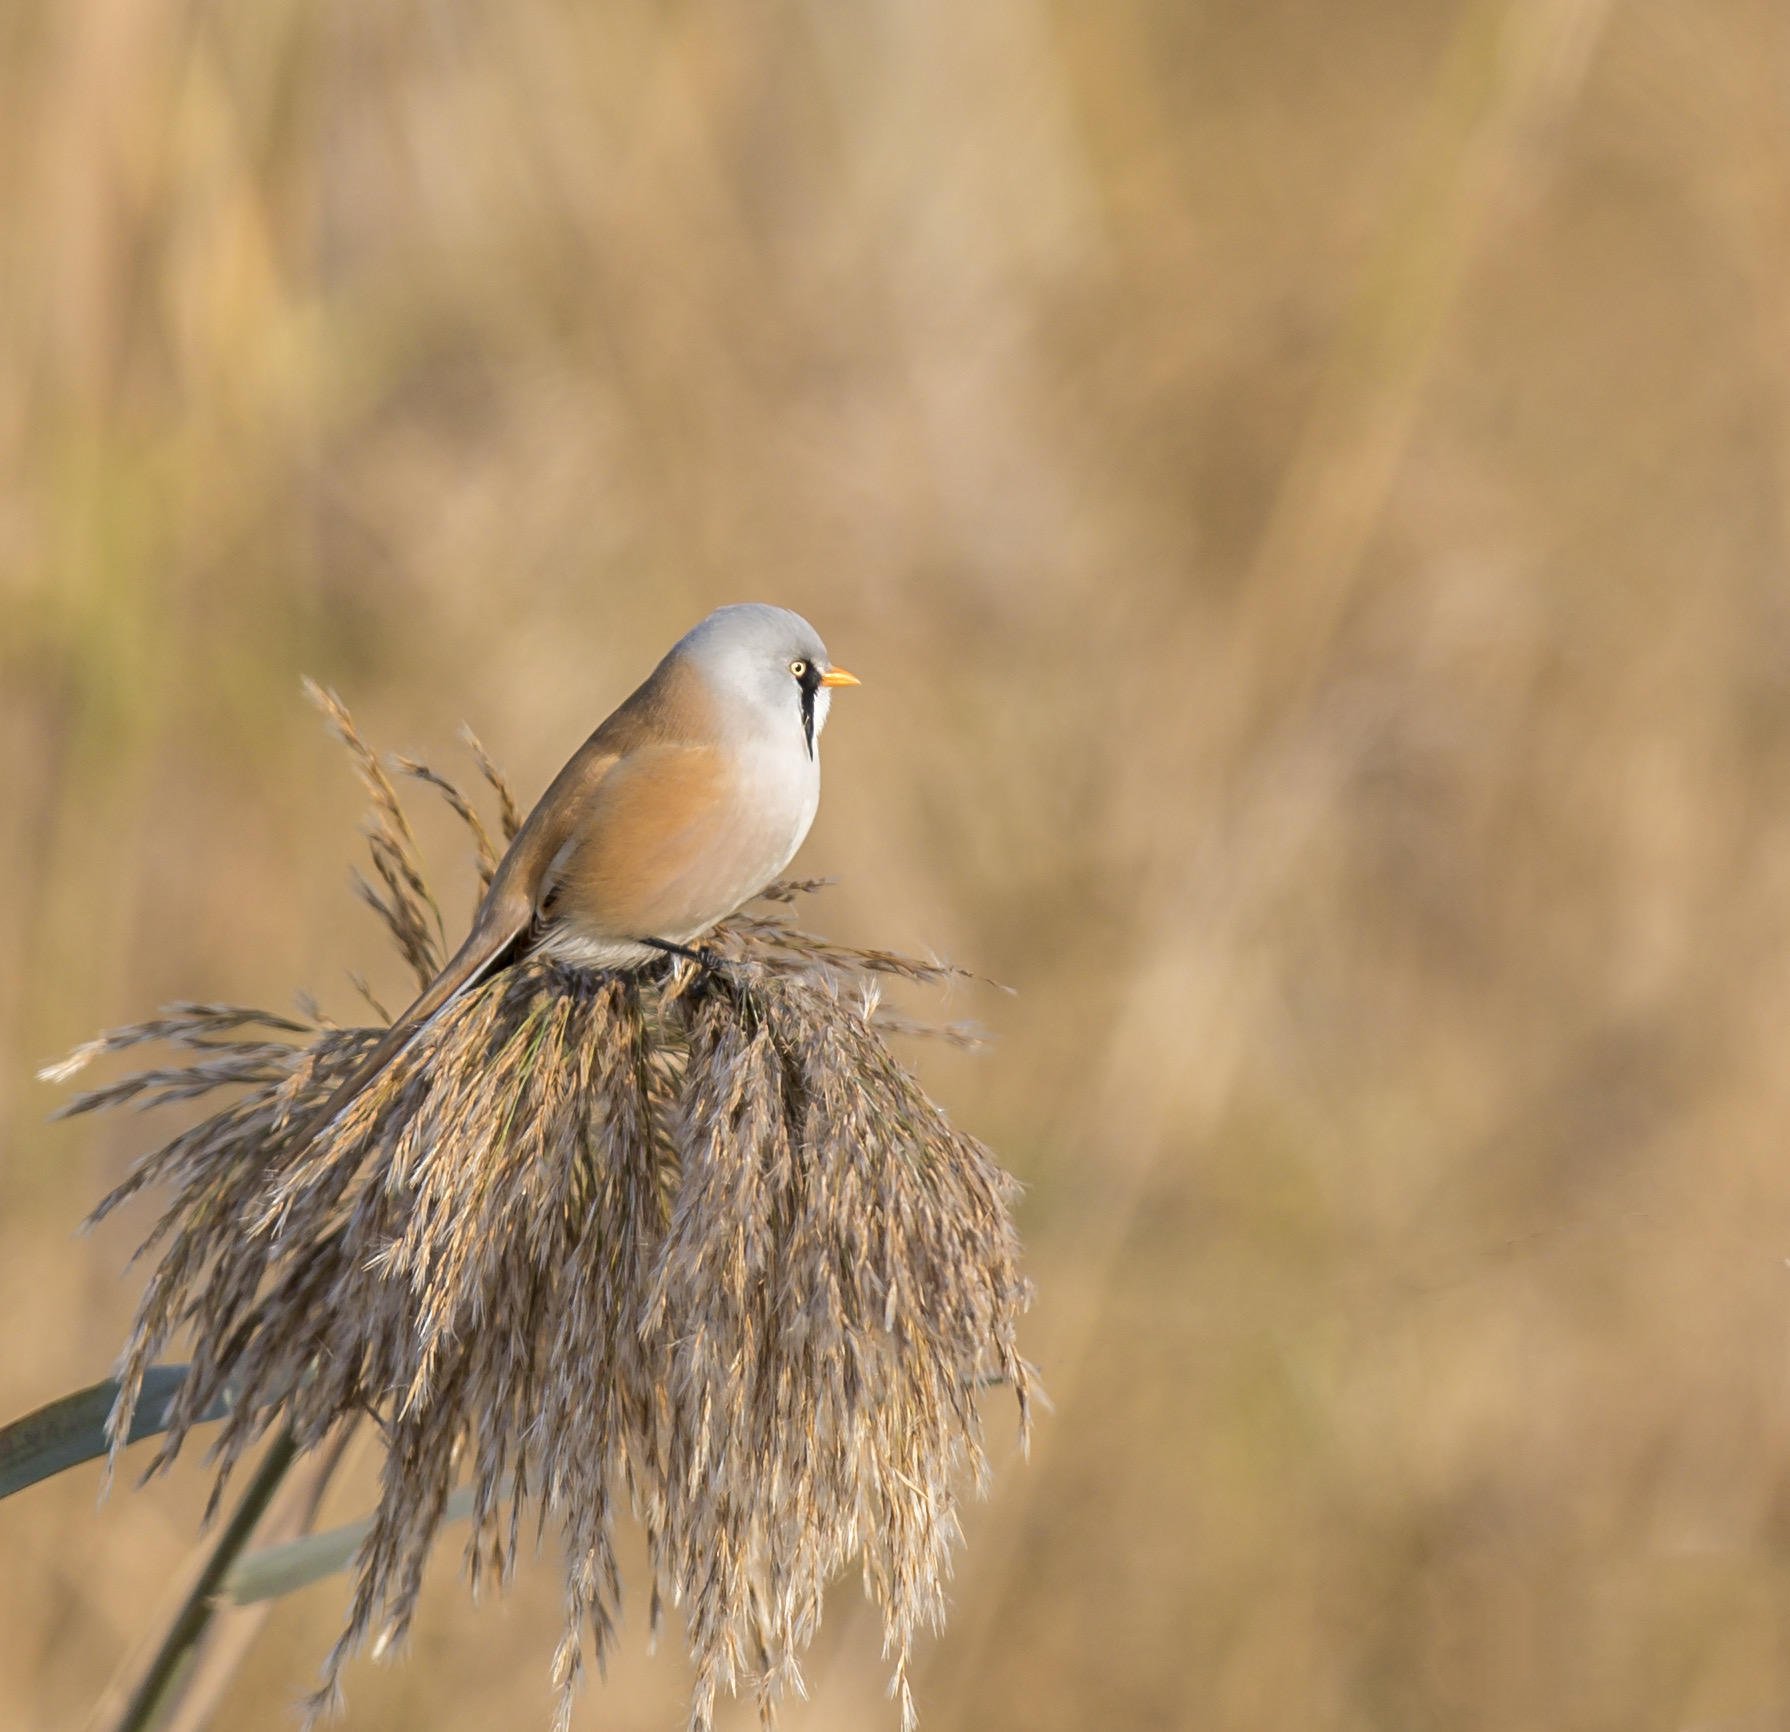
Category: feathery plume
<point>687,1245</point>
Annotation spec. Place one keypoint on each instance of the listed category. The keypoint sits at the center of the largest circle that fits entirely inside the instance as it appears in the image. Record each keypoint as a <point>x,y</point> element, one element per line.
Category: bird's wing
<point>645,860</point>
<point>518,888</point>
<point>659,713</point>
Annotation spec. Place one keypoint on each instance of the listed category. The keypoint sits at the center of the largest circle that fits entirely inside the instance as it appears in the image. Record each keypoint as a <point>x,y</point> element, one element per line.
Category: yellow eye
<point>798,668</point>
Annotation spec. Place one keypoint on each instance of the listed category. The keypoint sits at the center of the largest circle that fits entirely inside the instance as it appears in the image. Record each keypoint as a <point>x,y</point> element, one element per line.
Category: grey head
<point>766,667</point>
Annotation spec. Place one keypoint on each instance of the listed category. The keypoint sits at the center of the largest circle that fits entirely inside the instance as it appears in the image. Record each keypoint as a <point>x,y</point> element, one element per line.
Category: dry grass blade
<point>690,1247</point>
<point>509,813</point>
<point>407,906</point>
<point>965,1036</point>
<point>192,1026</point>
<point>776,933</point>
<point>462,808</point>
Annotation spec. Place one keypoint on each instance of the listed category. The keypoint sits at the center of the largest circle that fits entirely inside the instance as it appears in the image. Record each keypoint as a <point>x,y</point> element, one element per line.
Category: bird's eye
<point>798,668</point>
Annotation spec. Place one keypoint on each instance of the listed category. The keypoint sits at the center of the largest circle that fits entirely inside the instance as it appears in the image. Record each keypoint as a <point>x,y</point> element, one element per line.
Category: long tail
<point>485,948</point>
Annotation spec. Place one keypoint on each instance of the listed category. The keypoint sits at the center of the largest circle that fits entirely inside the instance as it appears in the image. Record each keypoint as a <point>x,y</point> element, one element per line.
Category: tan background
<point>1307,488</point>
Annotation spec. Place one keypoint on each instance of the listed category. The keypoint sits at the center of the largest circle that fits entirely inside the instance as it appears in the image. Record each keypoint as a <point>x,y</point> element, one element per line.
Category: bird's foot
<point>704,959</point>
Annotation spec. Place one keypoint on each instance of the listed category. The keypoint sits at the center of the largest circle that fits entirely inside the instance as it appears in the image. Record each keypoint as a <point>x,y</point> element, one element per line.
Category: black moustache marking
<point>810,684</point>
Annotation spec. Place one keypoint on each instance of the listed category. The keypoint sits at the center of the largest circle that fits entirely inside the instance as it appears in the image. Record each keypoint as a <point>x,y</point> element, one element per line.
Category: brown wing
<point>652,856</point>
<point>662,709</point>
<point>500,921</point>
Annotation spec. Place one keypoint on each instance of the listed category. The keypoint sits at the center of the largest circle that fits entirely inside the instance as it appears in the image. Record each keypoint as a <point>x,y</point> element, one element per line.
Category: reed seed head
<point>691,1246</point>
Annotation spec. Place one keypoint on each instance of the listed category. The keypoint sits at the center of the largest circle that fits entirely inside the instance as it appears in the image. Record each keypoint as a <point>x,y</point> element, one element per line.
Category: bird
<point>687,801</point>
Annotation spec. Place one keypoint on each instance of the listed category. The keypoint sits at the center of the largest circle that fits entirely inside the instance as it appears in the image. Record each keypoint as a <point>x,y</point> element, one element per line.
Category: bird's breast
<point>669,854</point>
<point>775,798</point>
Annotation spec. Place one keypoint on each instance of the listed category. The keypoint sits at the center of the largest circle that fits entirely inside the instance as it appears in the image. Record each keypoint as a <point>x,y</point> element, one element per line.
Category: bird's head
<point>766,666</point>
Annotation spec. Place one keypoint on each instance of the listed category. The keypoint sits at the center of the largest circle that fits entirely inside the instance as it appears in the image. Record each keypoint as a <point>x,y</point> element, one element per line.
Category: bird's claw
<point>704,958</point>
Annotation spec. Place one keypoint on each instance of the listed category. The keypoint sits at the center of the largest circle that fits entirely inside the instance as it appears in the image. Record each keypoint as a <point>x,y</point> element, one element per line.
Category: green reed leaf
<point>67,1432</point>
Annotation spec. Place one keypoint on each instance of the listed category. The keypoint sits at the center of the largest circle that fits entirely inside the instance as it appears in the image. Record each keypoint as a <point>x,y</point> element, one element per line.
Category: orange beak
<point>839,677</point>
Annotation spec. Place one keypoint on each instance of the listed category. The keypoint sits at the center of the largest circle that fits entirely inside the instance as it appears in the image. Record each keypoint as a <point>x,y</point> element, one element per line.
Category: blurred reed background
<point>1307,487</point>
